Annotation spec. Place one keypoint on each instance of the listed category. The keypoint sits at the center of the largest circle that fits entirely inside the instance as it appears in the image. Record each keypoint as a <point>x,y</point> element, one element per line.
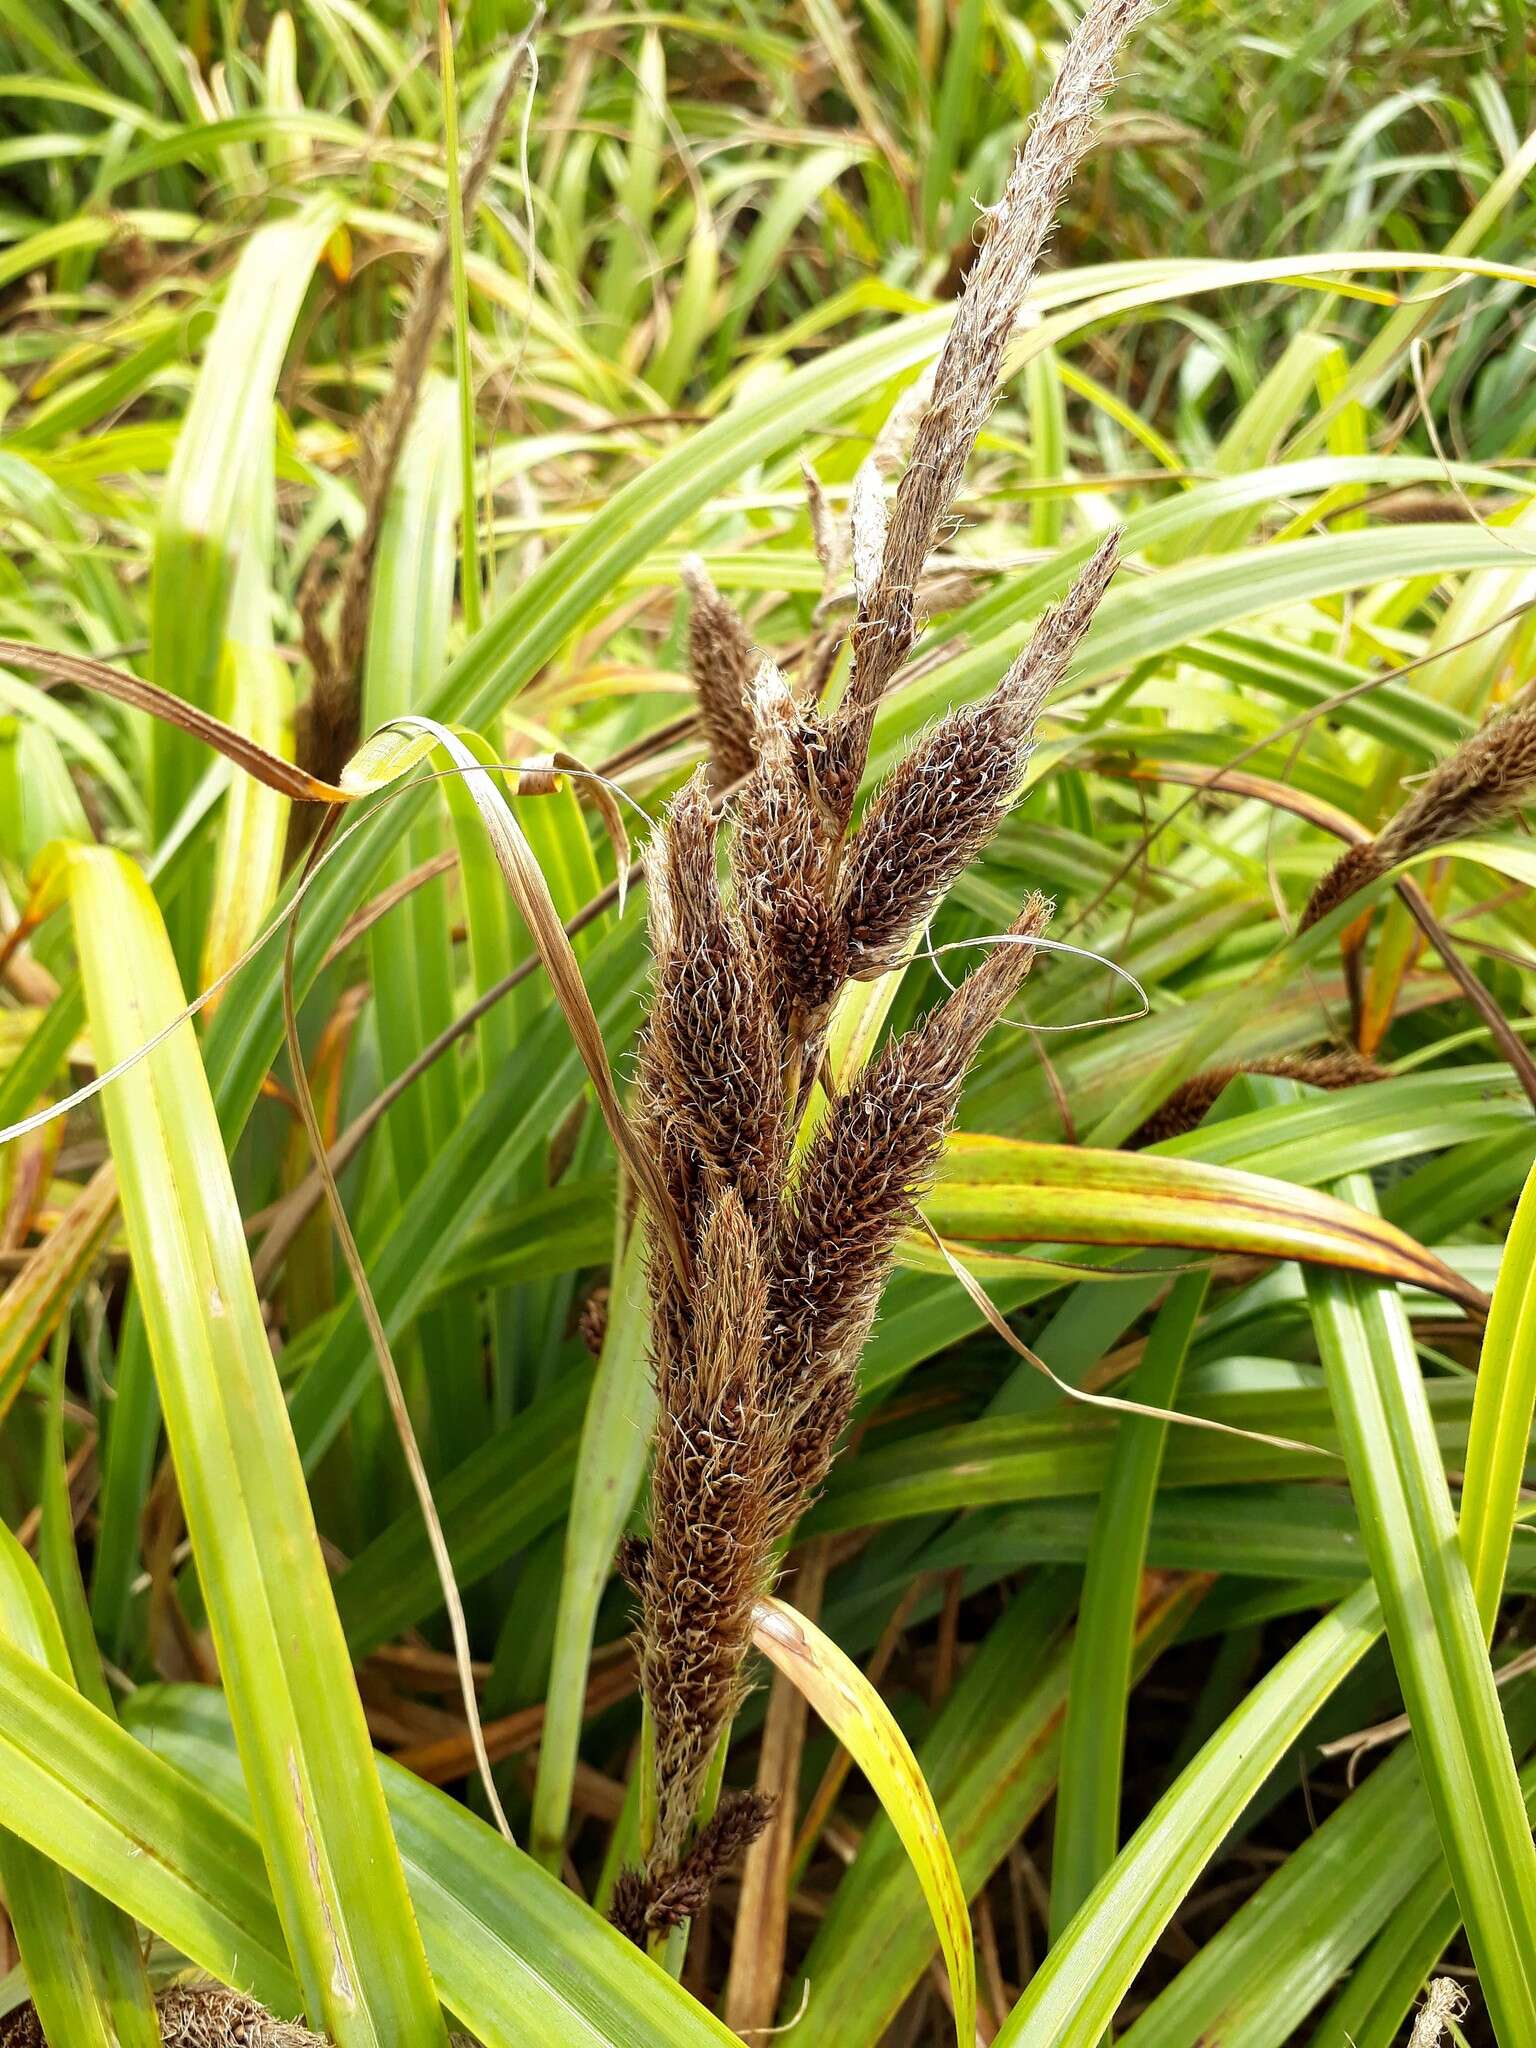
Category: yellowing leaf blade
<point>861,1721</point>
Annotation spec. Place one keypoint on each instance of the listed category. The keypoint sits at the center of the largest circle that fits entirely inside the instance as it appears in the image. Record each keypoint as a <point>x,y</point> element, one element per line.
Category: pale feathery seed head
<point>971,360</point>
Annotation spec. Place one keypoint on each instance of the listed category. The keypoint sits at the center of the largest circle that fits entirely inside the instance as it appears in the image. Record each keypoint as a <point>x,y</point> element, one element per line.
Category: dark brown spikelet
<point>711,1098</point>
<point>1477,786</point>
<point>866,1168</point>
<point>722,662</point>
<point>1186,1107</point>
<point>1355,869</point>
<point>780,857</point>
<point>631,1896</point>
<point>940,806</point>
<point>965,378</point>
<point>652,1904</point>
<point>720,1441</point>
<point>632,1562</point>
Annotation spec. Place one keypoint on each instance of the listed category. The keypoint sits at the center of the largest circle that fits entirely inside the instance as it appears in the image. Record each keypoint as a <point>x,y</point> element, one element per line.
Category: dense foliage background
<point>1284,337</point>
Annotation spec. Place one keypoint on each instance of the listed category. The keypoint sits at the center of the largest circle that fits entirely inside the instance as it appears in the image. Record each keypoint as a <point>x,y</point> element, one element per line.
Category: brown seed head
<point>971,360</point>
<point>780,856</point>
<point>1480,784</point>
<point>1486,778</point>
<point>722,661</point>
<point>651,1903</point>
<point>719,1443</point>
<point>710,1092</point>
<point>867,1166</point>
<point>1186,1107</point>
<point>940,805</point>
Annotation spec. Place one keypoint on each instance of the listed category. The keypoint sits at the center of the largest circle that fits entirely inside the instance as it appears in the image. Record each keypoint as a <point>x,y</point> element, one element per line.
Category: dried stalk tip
<point>941,804</point>
<point>1486,778</point>
<point>1445,2002</point>
<point>722,662</point>
<point>1186,1107</point>
<point>328,722</point>
<point>971,361</point>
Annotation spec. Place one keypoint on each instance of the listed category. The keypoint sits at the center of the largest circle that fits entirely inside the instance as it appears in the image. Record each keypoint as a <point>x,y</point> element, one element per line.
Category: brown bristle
<point>592,1320</point>
<point>719,1443</point>
<point>722,662</point>
<point>1354,870</point>
<point>940,805</point>
<point>632,1562</point>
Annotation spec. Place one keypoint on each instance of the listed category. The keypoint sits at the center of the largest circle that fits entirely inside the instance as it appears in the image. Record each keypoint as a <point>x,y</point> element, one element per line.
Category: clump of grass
<point>757,1333</point>
<point>190,2016</point>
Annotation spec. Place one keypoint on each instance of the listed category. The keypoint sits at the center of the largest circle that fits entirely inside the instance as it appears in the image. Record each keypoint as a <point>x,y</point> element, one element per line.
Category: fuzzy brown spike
<point>722,662</point>
<point>756,1348</point>
<point>941,804</point>
<point>1355,869</point>
<point>866,1168</point>
<point>965,379</point>
<point>644,1905</point>
<point>1481,783</point>
<point>719,1443</point>
<point>960,1024</point>
<point>780,857</point>
<point>1486,778</point>
<point>1186,1107</point>
<point>709,1069</point>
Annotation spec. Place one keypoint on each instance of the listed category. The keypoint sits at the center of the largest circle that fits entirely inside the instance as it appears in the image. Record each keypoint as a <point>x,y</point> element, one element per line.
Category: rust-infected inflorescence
<point>758,1327</point>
